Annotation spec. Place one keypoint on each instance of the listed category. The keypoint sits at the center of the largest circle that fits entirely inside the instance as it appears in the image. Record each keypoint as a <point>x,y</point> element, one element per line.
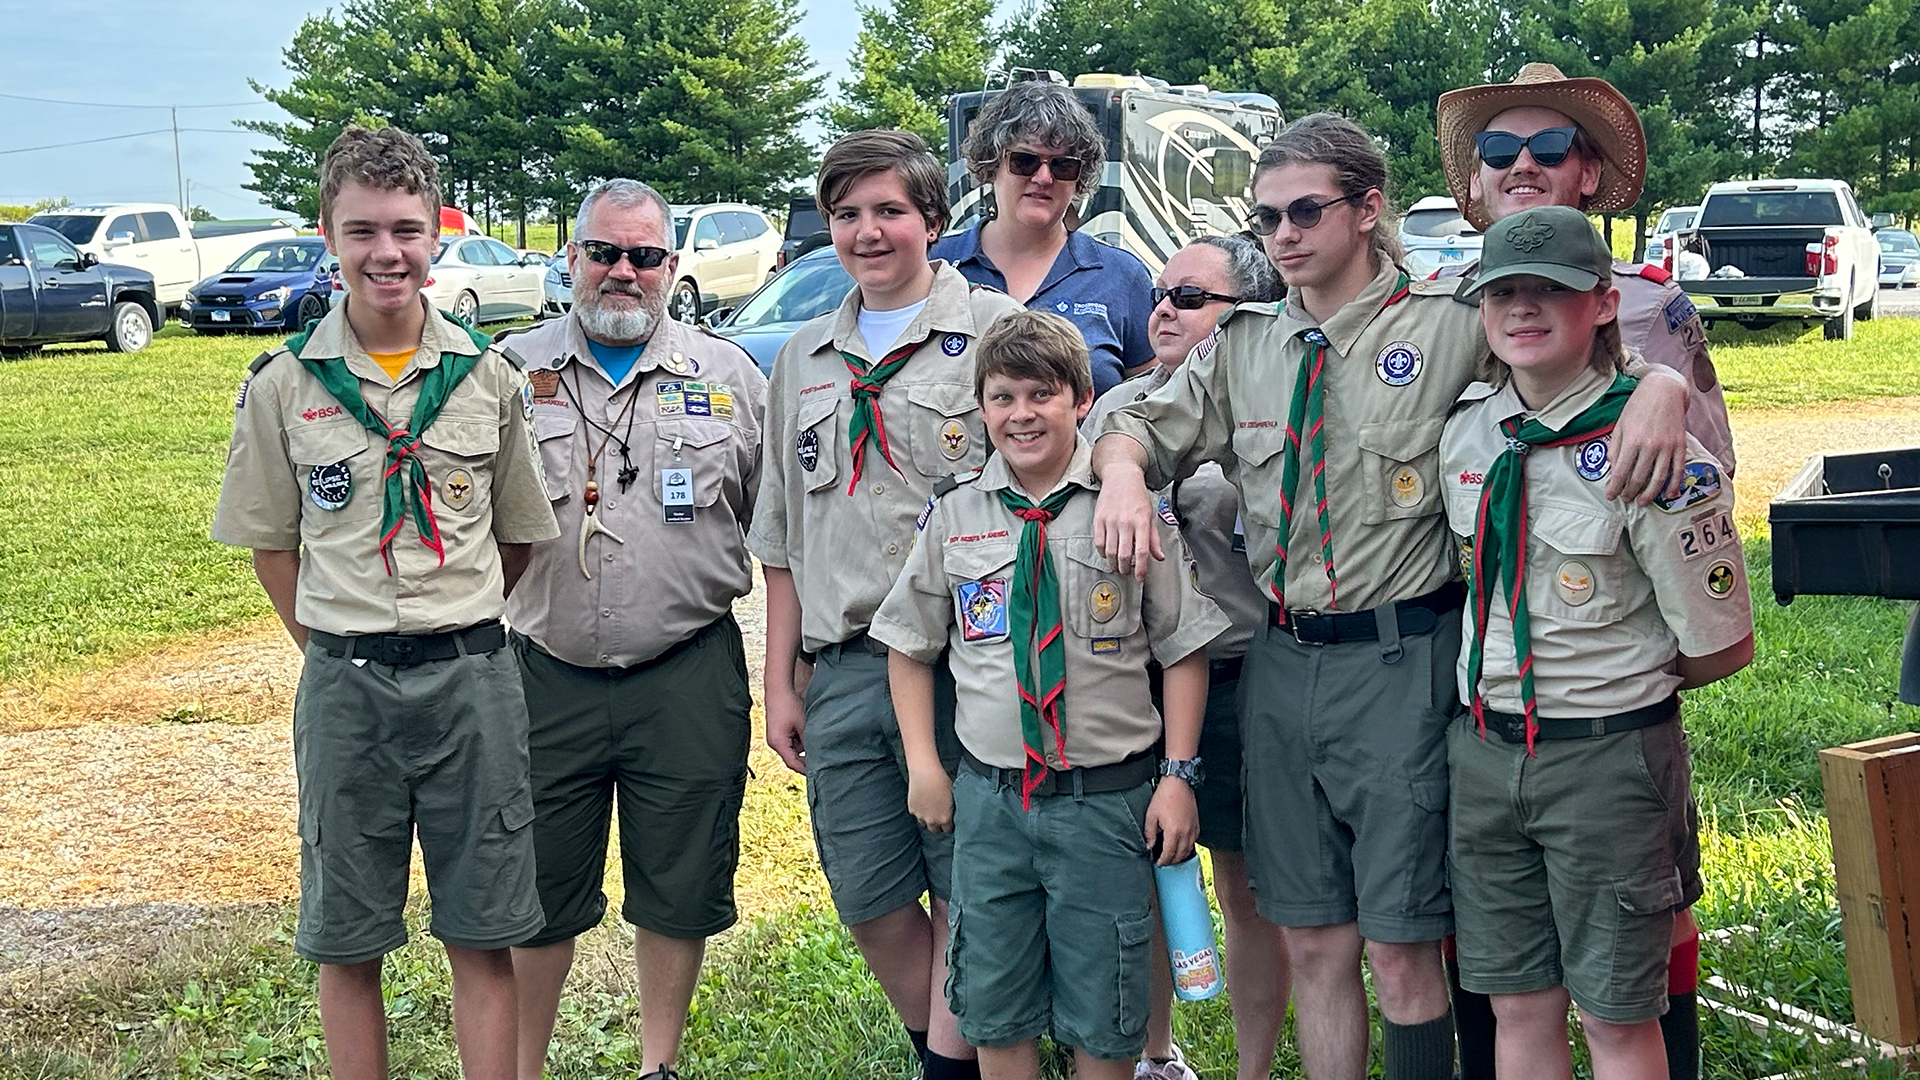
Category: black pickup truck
<point>51,292</point>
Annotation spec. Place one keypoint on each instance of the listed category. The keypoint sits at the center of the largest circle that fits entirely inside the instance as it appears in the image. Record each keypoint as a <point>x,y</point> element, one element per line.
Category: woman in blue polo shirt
<point>1039,150</point>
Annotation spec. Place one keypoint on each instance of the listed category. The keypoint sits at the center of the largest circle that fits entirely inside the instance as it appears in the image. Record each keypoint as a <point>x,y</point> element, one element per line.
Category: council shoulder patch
<point>1678,312</point>
<point>982,607</point>
<point>1701,482</point>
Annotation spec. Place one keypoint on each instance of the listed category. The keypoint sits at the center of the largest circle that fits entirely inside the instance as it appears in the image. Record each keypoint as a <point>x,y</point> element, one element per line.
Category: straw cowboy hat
<point>1600,110</point>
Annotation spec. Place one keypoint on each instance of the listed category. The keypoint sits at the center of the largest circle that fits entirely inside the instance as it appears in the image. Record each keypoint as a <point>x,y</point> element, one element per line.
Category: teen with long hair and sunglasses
<point>1039,150</point>
<point>1325,412</point>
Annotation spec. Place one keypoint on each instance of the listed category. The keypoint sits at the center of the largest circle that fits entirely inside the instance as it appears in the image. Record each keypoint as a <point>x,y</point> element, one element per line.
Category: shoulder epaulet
<point>262,360</point>
<point>1447,286</point>
<point>1269,308</point>
<point>511,331</point>
<point>1656,274</point>
<point>741,349</point>
<point>946,484</point>
<point>519,363</point>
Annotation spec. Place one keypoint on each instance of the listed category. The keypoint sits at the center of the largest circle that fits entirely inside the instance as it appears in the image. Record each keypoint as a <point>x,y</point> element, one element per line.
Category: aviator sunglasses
<point>1189,297</point>
<point>1549,146</point>
<point>1022,163</point>
<point>1304,213</point>
<point>642,258</point>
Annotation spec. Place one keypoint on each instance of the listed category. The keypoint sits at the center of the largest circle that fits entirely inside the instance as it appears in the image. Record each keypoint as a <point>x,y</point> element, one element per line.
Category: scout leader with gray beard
<point>649,430</point>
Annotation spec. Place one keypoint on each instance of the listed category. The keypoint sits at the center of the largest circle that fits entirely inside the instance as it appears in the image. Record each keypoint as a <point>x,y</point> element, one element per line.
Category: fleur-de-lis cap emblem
<point>1529,234</point>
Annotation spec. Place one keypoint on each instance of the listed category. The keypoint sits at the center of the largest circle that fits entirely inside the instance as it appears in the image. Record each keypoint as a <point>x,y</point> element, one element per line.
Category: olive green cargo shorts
<point>382,752</point>
<point>1565,865</point>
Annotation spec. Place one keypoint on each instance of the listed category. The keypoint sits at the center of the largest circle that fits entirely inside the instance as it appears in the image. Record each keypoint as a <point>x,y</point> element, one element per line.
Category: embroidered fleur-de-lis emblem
<point>1529,234</point>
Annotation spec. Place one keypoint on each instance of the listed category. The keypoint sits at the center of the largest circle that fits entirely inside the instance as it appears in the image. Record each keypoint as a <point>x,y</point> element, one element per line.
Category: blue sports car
<point>278,285</point>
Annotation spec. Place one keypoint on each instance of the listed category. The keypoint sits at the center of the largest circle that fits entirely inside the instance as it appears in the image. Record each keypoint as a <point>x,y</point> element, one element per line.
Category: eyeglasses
<point>642,258</point>
<point>1189,297</point>
<point>1549,146</point>
<point>1304,213</point>
<point>1022,163</point>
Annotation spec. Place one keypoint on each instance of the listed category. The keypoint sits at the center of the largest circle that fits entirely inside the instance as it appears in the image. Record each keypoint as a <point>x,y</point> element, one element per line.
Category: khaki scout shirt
<point>1207,510</point>
<point>1614,590</point>
<point>480,460</point>
<point>1393,371</point>
<point>844,550</point>
<point>691,401</point>
<point>953,595</point>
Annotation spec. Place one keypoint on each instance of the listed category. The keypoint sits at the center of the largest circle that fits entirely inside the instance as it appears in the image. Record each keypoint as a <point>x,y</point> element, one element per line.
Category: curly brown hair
<point>384,158</point>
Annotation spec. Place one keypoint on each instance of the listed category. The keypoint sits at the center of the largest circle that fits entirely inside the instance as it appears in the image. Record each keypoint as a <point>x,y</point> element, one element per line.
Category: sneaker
<point>1175,1069</point>
<point>664,1072</point>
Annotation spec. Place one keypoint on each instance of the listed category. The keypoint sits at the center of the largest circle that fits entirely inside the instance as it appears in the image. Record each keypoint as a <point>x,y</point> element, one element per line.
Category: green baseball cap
<point>1553,242</point>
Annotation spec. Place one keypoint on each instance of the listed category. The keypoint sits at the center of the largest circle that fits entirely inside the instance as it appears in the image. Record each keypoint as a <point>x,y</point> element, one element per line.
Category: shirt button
<point>1319,558</point>
<point>893,549</point>
<point>606,613</point>
<point>609,556</point>
<point>611,505</point>
<point>879,489</point>
<point>605,657</point>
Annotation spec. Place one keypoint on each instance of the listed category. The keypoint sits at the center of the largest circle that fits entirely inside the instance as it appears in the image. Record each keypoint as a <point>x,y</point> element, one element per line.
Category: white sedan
<point>478,279</point>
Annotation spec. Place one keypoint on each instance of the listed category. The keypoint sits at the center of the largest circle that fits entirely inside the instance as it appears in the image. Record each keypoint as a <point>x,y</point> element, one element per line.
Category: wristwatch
<point>1193,770</point>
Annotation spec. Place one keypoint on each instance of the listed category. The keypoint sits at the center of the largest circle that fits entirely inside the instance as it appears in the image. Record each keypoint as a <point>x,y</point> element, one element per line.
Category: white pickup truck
<point>1778,250</point>
<point>155,238</point>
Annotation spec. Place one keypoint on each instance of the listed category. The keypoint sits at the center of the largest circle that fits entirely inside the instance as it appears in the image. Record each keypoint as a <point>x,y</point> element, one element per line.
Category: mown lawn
<point>108,470</point>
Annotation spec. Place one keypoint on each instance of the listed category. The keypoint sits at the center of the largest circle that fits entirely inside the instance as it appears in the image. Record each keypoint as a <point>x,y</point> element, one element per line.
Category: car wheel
<point>1870,309</point>
<point>130,329</point>
<point>311,308</point>
<point>465,307</point>
<point>1840,327</point>
<point>685,305</point>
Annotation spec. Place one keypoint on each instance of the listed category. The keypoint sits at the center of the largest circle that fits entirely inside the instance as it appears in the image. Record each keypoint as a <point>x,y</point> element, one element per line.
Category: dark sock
<point>940,1067</point>
<point>919,1040</point>
<point>1419,1051</point>
<point>1680,1028</point>
<point>1474,1024</point>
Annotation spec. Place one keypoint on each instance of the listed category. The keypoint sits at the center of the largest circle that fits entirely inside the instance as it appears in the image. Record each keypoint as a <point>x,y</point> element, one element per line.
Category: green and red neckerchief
<point>1500,538</point>
<point>435,388</point>
<point>867,383</point>
<point>1037,633</point>
<point>1307,419</point>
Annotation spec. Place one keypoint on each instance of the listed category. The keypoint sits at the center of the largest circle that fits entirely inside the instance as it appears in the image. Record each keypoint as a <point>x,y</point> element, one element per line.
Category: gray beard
<point>610,326</point>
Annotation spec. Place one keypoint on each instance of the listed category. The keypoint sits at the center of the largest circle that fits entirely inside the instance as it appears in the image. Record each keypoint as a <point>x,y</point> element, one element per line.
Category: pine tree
<point>911,56</point>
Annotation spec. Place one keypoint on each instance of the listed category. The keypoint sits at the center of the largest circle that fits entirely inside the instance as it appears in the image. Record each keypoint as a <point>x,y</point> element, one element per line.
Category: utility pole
<point>179,176</point>
<point>1759,82</point>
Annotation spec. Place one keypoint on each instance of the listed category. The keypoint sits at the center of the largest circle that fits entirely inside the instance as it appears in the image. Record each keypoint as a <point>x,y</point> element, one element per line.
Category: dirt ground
<point>136,799</point>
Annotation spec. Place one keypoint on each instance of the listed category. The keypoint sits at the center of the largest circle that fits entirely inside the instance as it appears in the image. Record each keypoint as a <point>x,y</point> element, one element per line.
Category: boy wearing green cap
<point>1585,617</point>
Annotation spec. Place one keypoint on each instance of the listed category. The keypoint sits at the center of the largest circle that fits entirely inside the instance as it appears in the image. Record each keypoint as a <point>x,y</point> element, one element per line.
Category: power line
<point>88,142</point>
<point>131,105</point>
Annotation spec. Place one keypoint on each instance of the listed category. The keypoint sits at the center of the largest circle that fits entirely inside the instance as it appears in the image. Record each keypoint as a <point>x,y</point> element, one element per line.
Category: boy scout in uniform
<point>409,714</point>
<point>1325,412</point>
<point>858,430</point>
<point>636,681</point>
<point>1570,776</point>
<point>1055,816</point>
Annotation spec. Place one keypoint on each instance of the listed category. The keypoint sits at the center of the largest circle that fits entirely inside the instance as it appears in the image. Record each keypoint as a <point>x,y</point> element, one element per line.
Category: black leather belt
<point>1513,726</point>
<point>1416,616</point>
<point>859,643</point>
<point>1092,780</point>
<point>407,650</point>
<point>1224,671</point>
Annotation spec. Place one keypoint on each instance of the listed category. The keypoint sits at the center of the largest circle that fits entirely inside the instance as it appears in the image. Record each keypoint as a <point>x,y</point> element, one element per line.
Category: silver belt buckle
<point>1293,624</point>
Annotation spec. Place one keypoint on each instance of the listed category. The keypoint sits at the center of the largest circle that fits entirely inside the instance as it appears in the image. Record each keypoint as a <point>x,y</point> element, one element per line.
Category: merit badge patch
<point>982,606</point>
<point>668,399</point>
<point>1574,583</point>
<point>544,383</point>
<point>807,449</point>
<point>1407,487</point>
<point>1701,482</point>
<point>1400,363</point>
<point>330,486</point>
<point>953,440</point>
<point>1591,460</point>
<point>1720,579</point>
<point>1103,601</point>
<point>457,489</point>
<point>1678,311</point>
<point>953,344</point>
<point>1166,513</point>
<point>1106,646</point>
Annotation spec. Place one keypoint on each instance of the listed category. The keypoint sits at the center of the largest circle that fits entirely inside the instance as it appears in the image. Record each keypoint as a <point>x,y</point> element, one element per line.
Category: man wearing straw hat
<point>1548,140</point>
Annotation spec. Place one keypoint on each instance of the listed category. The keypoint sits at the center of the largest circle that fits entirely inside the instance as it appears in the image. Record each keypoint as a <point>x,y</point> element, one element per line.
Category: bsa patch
<point>457,489</point>
<point>1166,513</point>
<point>1106,646</point>
<point>1574,583</point>
<point>1103,601</point>
<point>330,486</point>
<point>1720,579</point>
<point>669,399</point>
<point>1679,311</point>
<point>807,449</point>
<point>526,399</point>
<point>953,344</point>
<point>1400,363</point>
<point>1701,482</point>
<point>982,606</point>
<point>953,440</point>
<point>545,383</point>
<point>1591,461</point>
<point>1407,487</point>
<point>240,399</point>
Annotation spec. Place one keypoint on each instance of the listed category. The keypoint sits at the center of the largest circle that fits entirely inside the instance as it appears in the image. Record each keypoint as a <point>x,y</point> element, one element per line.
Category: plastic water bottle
<point>1189,924</point>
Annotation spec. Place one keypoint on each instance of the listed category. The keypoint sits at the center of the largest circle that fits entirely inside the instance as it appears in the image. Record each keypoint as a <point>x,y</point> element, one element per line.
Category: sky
<point>197,54</point>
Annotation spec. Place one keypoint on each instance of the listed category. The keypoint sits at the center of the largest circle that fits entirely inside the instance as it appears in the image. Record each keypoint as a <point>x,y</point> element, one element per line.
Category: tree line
<point>527,102</point>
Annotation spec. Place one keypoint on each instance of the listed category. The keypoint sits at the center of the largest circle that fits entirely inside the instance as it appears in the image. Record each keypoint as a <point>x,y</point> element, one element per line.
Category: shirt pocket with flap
<point>458,452</point>
<point>1399,469</point>
<point>1099,602</point>
<point>816,441</point>
<point>980,573</point>
<point>945,432</point>
<point>704,446</point>
<point>1258,450</point>
<point>342,452</point>
<point>1575,568</point>
<point>553,428</point>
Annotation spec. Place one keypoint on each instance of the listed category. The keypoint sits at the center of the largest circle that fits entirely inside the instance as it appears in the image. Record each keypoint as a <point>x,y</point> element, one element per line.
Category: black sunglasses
<point>642,258</point>
<point>1304,213</point>
<point>1063,168</point>
<point>1549,146</point>
<point>1189,297</point>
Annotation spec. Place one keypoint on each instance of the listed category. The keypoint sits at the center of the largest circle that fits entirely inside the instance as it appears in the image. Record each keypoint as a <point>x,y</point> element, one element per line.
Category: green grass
<point>1785,366</point>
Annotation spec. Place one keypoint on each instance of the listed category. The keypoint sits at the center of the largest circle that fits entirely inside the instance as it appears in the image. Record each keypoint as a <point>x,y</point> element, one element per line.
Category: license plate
<point>220,316</point>
<point>1740,301</point>
<point>1450,256</point>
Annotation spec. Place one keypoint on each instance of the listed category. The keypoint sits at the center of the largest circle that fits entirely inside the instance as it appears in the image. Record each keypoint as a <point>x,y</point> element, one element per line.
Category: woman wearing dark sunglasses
<point>1039,150</point>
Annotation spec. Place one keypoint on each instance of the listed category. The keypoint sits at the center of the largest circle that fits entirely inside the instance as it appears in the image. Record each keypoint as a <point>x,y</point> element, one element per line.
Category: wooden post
<point>1873,812</point>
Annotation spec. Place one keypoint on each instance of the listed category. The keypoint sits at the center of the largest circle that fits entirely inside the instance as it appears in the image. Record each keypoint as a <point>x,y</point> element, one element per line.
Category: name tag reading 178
<point>676,495</point>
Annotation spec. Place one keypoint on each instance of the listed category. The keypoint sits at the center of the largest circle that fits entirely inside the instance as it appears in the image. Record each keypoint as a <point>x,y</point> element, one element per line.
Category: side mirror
<point>719,316</point>
<point>88,260</point>
<point>707,244</point>
<point>120,239</point>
